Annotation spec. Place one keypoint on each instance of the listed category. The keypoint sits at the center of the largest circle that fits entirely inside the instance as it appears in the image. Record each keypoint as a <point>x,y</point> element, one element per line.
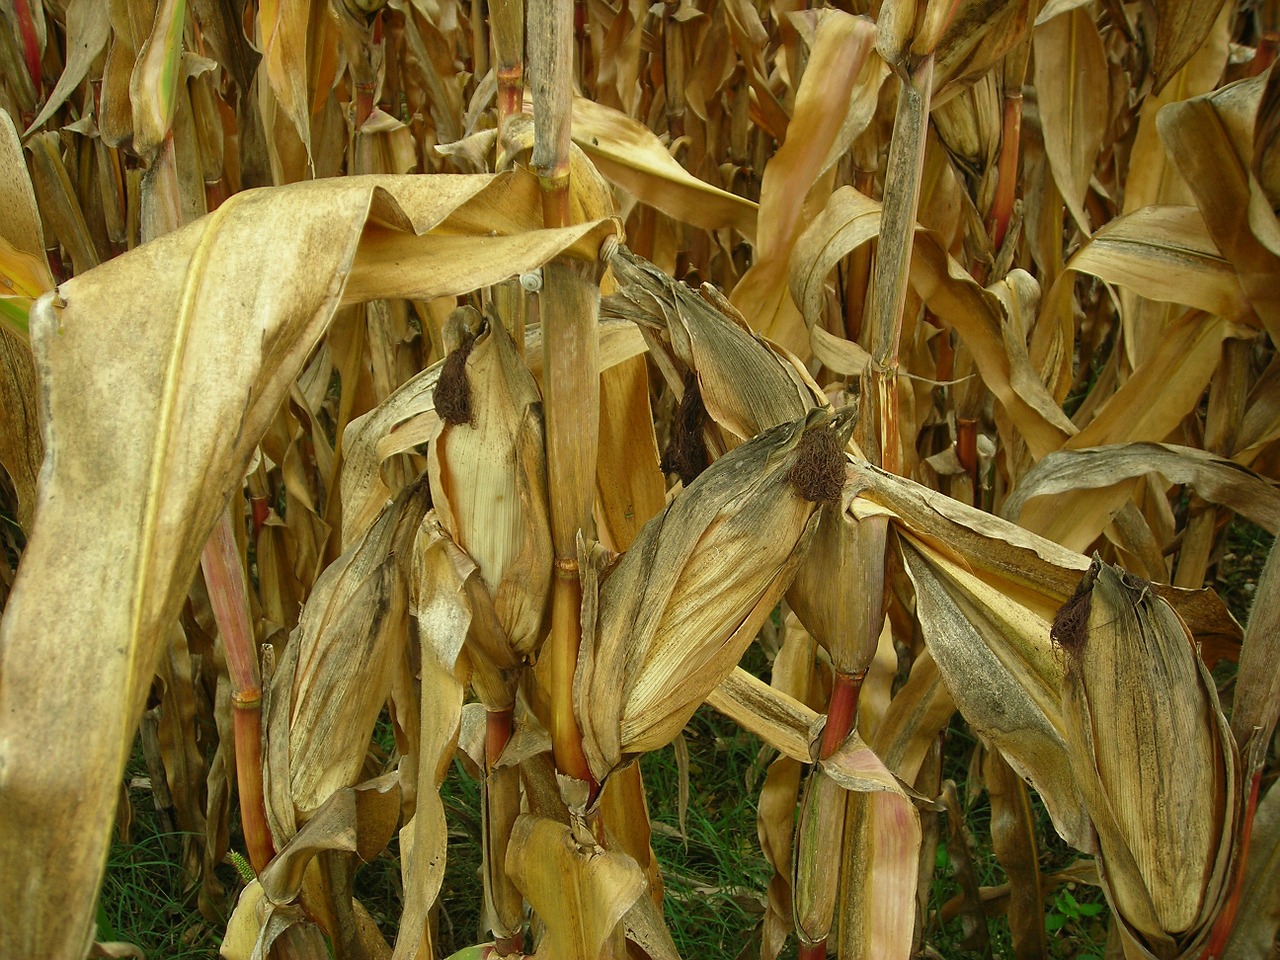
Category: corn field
<point>499,373</point>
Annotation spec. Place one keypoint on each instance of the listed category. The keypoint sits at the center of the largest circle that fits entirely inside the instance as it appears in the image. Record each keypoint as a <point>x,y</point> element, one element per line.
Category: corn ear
<point>1150,750</point>
<point>680,608</point>
<point>839,590</point>
<point>746,383</point>
<point>815,883</point>
<point>335,673</point>
<point>488,478</point>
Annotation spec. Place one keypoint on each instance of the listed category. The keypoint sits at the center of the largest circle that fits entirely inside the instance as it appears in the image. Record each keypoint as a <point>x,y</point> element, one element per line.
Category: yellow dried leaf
<point>579,890</point>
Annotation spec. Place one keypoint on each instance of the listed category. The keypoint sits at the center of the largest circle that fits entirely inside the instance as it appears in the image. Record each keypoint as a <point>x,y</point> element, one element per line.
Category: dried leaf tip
<point>452,396</point>
<point>1070,628</point>
<point>819,471</point>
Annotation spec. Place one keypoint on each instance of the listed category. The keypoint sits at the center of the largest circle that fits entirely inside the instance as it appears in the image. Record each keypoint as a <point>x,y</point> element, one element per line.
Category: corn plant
<point>502,370</point>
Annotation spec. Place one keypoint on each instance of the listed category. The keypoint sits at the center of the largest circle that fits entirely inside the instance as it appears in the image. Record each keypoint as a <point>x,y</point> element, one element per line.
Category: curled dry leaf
<point>579,889</point>
<point>1069,60</point>
<point>1215,479</point>
<point>851,219</point>
<point>628,153</point>
<point>843,69</point>
<point>88,27</point>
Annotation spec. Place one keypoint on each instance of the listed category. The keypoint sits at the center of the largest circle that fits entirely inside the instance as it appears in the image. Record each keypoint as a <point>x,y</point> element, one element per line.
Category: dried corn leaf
<point>59,202</point>
<point>1152,402</point>
<point>357,819</point>
<point>1210,140</point>
<point>1256,704</point>
<point>1162,253</point>
<point>1152,179</point>
<point>630,488</point>
<point>1070,62</point>
<point>774,716</point>
<point>843,69</point>
<point>1215,479</point>
<point>1003,675</point>
<point>878,875</point>
<point>628,154</point>
<point>1036,572</point>
<point>1013,836</point>
<point>282,38</point>
<point>978,34</point>
<point>238,300</point>
<point>579,890</point>
<point>792,675</point>
<point>88,27</point>
<point>848,221</point>
<point>1181,29</point>
<point>918,712</point>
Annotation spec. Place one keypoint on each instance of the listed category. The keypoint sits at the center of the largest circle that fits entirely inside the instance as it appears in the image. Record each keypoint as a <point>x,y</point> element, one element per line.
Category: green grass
<point>715,874</point>
<point>144,898</point>
<point>1075,914</point>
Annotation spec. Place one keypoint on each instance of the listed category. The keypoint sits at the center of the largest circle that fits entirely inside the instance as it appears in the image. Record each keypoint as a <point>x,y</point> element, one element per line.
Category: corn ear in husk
<point>335,673</point>
<point>745,383</point>
<point>488,482</point>
<point>839,590</point>
<point>1152,754</point>
<point>677,612</point>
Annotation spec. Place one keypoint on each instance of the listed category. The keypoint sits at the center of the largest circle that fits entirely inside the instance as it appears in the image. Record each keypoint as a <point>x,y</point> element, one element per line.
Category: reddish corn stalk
<point>508,54</point>
<point>1227,918</point>
<point>1015,72</point>
<point>30,44</point>
<point>227,594</point>
<point>1002,206</point>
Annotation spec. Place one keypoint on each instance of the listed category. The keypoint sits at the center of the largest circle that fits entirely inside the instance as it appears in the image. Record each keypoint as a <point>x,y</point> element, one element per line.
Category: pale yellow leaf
<point>1071,72</point>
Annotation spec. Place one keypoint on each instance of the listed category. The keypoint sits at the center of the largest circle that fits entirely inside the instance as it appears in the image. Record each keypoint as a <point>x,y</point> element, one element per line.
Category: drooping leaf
<point>237,300</point>
<point>1069,63</point>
